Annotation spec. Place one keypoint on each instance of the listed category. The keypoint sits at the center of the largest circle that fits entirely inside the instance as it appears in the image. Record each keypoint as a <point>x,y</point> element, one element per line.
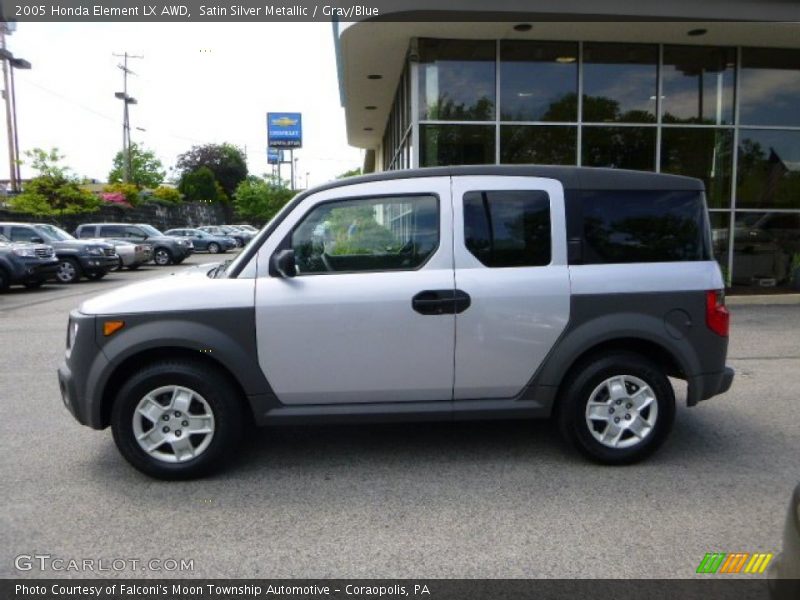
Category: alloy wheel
<point>621,411</point>
<point>173,424</point>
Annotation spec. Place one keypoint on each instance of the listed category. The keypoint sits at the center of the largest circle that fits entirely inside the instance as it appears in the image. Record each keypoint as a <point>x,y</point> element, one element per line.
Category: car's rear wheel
<point>177,419</point>
<point>162,257</point>
<point>68,271</point>
<point>617,408</point>
<point>213,248</point>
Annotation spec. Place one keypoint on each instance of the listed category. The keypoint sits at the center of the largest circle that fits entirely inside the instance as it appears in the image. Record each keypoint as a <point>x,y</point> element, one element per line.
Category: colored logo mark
<point>735,562</point>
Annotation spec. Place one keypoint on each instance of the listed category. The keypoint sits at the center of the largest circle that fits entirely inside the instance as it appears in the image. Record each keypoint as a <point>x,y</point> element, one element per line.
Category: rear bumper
<point>707,385</point>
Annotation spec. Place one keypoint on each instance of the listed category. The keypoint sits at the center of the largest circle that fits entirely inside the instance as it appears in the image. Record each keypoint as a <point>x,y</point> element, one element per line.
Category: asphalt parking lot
<point>486,499</point>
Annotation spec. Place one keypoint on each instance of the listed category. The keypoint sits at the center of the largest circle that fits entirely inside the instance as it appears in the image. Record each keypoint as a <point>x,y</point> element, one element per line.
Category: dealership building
<point>654,86</point>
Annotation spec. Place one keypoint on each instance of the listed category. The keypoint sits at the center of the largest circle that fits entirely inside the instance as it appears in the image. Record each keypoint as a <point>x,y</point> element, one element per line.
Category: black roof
<point>572,178</point>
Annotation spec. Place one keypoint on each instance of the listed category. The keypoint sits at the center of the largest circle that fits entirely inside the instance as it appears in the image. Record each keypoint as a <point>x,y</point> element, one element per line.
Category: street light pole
<point>12,161</point>
<point>16,63</point>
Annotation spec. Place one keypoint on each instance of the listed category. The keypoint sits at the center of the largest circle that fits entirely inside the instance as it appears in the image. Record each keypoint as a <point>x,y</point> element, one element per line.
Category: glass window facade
<point>726,115</point>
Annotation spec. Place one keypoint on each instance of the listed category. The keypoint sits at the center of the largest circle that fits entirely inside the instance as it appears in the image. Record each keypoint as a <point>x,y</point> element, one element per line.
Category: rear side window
<point>641,226</point>
<point>508,228</point>
<point>86,232</point>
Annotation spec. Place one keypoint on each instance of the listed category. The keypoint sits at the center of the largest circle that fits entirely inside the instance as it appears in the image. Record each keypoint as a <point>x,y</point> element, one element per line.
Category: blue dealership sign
<point>284,130</point>
<point>274,156</point>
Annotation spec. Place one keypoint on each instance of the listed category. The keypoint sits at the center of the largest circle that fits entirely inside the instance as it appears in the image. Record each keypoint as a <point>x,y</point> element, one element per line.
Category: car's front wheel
<point>162,257</point>
<point>177,419</point>
<point>617,408</point>
<point>213,248</point>
<point>68,271</point>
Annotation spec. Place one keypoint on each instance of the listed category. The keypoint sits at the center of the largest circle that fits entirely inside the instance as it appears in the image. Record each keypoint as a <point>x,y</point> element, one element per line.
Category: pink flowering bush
<point>116,198</point>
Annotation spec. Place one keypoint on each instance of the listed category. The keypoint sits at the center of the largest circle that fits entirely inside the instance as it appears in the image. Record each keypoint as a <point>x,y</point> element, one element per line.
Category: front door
<point>366,318</point>
<point>510,254</point>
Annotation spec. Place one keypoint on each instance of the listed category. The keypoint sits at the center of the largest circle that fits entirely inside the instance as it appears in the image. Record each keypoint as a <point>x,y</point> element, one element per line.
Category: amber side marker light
<point>111,327</point>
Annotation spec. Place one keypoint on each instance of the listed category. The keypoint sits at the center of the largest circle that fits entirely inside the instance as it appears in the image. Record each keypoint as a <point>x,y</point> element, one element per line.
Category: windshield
<point>150,230</point>
<point>53,233</point>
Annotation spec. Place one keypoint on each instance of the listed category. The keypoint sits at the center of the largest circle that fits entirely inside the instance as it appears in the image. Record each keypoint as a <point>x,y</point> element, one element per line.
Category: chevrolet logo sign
<point>284,122</point>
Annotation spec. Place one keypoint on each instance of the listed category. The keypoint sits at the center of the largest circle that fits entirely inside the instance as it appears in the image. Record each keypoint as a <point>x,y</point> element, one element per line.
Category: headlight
<point>95,251</point>
<point>29,252</point>
<point>183,242</point>
<point>72,331</point>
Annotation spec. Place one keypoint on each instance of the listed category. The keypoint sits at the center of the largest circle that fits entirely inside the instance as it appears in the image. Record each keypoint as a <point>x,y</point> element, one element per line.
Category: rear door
<point>510,254</point>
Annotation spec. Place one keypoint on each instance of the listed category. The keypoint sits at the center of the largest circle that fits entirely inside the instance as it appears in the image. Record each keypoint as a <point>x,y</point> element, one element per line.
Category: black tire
<point>34,285</point>
<point>214,248</point>
<point>162,257</point>
<point>587,377</point>
<point>134,267</point>
<point>212,385</point>
<point>69,271</point>
<point>96,275</point>
<point>5,280</point>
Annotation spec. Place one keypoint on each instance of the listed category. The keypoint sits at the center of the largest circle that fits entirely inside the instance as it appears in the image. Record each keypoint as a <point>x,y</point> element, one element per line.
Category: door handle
<point>440,302</point>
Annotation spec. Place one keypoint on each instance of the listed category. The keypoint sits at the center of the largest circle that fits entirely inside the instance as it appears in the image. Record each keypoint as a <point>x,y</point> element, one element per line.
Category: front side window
<point>375,234</point>
<point>117,231</point>
<point>508,228</point>
<point>644,226</point>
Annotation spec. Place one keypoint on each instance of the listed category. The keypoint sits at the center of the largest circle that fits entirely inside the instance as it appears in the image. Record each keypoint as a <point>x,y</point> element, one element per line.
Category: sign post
<point>285,130</point>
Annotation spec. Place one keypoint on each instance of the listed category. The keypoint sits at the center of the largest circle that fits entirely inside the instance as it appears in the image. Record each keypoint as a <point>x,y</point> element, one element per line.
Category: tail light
<point>717,316</point>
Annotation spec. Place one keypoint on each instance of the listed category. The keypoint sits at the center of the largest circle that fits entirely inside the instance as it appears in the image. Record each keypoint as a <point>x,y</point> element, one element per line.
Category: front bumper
<point>707,385</point>
<point>34,269</point>
<point>91,263</point>
<point>82,372</point>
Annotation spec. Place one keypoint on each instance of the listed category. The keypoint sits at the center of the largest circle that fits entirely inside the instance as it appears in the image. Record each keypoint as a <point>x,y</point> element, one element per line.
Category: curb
<point>763,300</point>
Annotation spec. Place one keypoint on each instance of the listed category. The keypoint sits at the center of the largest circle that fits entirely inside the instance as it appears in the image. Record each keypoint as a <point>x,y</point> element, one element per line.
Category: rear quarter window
<point>640,226</point>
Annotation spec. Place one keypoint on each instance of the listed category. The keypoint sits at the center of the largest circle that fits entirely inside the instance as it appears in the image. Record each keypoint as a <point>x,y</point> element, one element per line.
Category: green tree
<point>350,173</point>
<point>200,185</point>
<point>54,191</point>
<point>259,200</point>
<point>225,161</point>
<point>146,170</point>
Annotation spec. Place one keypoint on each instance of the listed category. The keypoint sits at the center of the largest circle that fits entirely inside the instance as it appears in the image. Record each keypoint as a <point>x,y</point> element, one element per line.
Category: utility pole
<point>12,159</point>
<point>126,124</point>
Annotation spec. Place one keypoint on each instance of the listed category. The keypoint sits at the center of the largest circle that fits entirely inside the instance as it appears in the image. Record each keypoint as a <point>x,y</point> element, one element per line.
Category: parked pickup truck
<point>26,264</point>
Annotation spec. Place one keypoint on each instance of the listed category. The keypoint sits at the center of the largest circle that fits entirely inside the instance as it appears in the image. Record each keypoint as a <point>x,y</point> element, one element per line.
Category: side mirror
<point>283,263</point>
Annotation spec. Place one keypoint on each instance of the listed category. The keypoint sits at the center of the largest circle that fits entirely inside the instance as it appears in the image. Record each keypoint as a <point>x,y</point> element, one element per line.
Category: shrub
<point>49,195</point>
<point>115,198</point>
<point>128,190</point>
<point>260,200</point>
<point>167,194</point>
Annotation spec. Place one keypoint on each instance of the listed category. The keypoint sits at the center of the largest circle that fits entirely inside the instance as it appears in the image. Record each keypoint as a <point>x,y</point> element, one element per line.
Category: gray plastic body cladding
<point>226,336</point>
<point>674,321</point>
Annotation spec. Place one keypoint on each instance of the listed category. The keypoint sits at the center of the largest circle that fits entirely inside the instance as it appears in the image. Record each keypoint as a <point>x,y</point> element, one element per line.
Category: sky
<point>197,83</point>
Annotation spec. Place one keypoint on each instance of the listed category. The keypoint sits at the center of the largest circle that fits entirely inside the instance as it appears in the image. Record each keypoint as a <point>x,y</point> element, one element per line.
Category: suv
<point>76,258</point>
<point>444,293</point>
<point>28,264</point>
<point>166,250</point>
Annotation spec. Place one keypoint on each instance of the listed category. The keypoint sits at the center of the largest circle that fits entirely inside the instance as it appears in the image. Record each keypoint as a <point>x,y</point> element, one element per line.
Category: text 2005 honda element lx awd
<point>445,293</point>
